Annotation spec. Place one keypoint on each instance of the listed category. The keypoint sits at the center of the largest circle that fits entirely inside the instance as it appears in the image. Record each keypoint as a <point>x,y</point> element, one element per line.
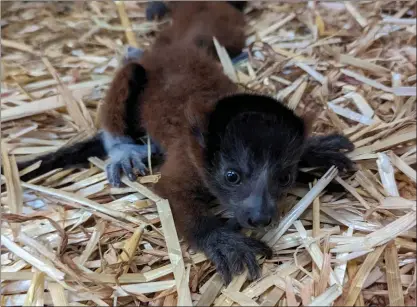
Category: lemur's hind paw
<point>132,54</point>
<point>156,9</point>
<point>126,158</point>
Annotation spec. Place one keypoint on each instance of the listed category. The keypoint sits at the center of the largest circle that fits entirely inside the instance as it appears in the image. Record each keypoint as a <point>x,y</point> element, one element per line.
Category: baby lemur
<point>242,148</point>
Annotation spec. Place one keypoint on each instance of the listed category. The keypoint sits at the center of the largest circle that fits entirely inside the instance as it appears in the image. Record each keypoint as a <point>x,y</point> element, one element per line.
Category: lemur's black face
<point>253,148</point>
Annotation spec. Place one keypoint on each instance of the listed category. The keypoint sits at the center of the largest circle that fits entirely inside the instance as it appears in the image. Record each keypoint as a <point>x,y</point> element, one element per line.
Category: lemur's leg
<point>328,150</point>
<point>120,116</point>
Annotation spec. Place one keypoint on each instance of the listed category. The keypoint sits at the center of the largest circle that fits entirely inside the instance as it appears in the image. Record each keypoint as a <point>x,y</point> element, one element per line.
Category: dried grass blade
<point>328,297</point>
<point>40,106</point>
<point>213,289</point>
<point>272,297</point>
<point>235,285</point>
<point>398,203</point>
<point>58,295</point>
<point>405,91</point>
<point>314,251</point>
<point>14,189</point>
<point>144,288</point>
<point>324,275</point>
<point>92,243</point>
<point>361,103</point>
<point>366,80</point>
<point>277,25</point>
<point>399,21</point>
<point>340,269</point>
<point>225,60</point>
<point>83,201</point>
<point>282,94</point>
<point>402,166</point>
<point>352,191</point>
<point>239,298</point>
<point>272,236</point>
<point>389,142</point>
<point>35,294</point>
<point>289,292</point>
<point>355,285</point>
<point>285,269</point>
<point>307,293</point>
<point>356,14</point>
<point>19,46</point>
<point>386,173</point>
<point>296,97</point>
<point>381,236</point>
<point>131,246</point>
<point>352,115</point>
<point>395,290</point>
<point>76,109</point>
<point>124,18</point>
<point>175,253</point>
<point>34,261</point>
<point>312,72</point>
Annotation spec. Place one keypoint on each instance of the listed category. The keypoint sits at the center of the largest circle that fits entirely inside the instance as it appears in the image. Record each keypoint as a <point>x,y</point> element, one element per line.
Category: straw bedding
<point>68,238</point>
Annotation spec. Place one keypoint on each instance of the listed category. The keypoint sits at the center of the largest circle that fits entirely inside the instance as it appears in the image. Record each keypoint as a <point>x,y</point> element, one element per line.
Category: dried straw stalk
<point>68,238</point>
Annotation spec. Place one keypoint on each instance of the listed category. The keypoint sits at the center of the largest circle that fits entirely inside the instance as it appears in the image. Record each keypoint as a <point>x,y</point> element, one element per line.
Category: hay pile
<point>68,238</point>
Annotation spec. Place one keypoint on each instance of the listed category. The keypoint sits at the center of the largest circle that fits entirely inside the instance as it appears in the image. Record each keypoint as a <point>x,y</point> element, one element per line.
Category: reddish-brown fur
<point>199,22</point>
<point>112,112</point>
<point>194,24</point>
<point>183,84</point>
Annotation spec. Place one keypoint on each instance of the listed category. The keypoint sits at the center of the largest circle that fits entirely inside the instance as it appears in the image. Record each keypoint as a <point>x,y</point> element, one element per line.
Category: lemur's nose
<point>259,221</point>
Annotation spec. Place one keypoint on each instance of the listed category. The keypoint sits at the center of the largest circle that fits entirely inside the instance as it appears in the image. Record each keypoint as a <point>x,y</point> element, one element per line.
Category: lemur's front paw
<point>336,142</point>
<point>329,150</point>
<point>231,252</point>
<point>126,158</point>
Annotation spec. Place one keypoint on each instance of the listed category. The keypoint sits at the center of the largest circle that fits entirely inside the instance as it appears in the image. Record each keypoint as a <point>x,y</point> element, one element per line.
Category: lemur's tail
<point>66,157</point>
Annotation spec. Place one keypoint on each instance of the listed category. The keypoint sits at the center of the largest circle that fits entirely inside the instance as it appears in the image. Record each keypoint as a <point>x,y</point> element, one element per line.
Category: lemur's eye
<point>285,180</point>
<point>232,177</point>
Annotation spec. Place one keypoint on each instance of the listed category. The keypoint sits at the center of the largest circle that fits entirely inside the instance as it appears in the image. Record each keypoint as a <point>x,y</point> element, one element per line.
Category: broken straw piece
<point>314,251</point>
<point>405,91</point>
<point>340,269</point>
<point>361,103</point>
<point>327,297</point>
<point>272,236</point>
<point>345,112</point>
<point>379,237</point>
<point>386,172</point>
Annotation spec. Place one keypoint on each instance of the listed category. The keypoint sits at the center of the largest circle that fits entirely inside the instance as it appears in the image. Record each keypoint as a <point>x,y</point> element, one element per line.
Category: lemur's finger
<point>138,164</point>
<point>113,174</point>
<point>128,169</point>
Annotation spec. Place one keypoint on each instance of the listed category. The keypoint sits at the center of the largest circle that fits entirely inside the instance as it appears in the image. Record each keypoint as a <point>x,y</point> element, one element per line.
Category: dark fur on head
<point>259,141</point>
